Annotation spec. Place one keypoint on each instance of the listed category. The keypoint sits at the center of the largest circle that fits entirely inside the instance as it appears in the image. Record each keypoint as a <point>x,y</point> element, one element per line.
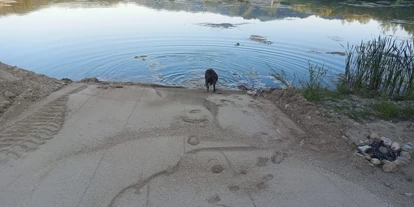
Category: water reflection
<point>392,15</point>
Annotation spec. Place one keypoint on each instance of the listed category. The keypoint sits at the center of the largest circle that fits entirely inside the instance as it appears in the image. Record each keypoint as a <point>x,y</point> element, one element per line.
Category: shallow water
<point>175,42</point>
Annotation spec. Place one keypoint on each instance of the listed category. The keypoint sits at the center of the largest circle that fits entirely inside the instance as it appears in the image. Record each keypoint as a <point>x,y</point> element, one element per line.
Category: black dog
<point>211,79</point>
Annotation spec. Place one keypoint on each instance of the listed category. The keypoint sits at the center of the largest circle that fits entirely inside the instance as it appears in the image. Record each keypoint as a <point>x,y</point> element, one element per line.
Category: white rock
<point>409,194</point>
<point>395,147</point>
<point>375,161</point>
<point>387,141</point>
<point>363,148</point>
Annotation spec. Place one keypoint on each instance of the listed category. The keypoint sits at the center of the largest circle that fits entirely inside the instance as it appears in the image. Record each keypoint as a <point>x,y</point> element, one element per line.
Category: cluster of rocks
<point>383,152</point>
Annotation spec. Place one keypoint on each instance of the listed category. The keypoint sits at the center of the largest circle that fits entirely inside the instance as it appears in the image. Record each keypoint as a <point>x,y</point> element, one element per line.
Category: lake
<point>174,42</point>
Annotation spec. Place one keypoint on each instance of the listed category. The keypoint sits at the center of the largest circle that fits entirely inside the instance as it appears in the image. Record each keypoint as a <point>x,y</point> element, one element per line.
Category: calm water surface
<point>173,42</point>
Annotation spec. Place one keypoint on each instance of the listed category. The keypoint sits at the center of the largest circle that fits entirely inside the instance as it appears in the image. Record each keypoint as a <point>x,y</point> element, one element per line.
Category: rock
<point>368,142</point>
<point>401,162</point>
<point>237,44</point>
<point>395,147</point>
<point>408,147</point>
<point>363,148</point>
<point>267,90</point>
<point>406,155</point>
<point>367,157</point>
<point>317,112</point>
<point>193,140</point>
<point>361,143</point>
<point>217,169</point>
<point>9,94</point>
<point>375,137</point>
<point>372,165</point>
<point>387,141</point>
<point>389,167</point>
<point>252,93</point>
<point>409,194</point>
<point>287,106</point>
<point>383,150</point>
<point>375,161</point>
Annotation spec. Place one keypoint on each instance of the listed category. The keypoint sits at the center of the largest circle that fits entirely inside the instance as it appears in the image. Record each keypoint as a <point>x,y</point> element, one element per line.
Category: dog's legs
<point>214,87</point>
<point>207,86</point>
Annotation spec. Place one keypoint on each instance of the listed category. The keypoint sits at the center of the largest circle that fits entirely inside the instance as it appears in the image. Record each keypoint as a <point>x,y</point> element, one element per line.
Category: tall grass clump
<point>313,89</point>
<point>384,65</point>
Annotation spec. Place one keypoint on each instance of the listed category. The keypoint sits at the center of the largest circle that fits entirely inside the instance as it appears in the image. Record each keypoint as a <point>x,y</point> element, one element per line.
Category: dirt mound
<point>323,134</point>
<point>20,88</point>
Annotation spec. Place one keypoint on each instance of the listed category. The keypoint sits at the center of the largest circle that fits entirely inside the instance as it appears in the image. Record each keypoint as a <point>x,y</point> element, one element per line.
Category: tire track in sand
<point>28,134</point>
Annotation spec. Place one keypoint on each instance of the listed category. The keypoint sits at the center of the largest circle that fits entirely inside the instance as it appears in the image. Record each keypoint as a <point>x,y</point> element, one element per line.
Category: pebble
<point>375,161</point>
<point>267,90</point>
<point>405,155</point>
<point>375,137</point>
<point>395,147</point>
<point>401,162</point>
<point>217,169</point>
<point>408,147</point>
<point>287,106</point>
<point>193,141</point>
<point>383,150</point>
<point>409,194</point>
<point>361,143</point>
<point>317,112</point>
<point>9,94</point>
<point>387,141</point>
<point>363,148</point>
<point>368,142</point>
<point>389,167</point>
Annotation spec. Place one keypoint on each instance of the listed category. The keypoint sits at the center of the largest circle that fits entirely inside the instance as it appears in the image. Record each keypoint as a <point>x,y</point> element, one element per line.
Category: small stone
<point>387,141</point>
<point>214,199</point>
<point>368,142</point>
<point>389,185</point>
<point>193,140</point>
<point>389,167</point>
<point>367,157</point>
<point>395,147</point>
<point>267,90</point>
<point>408,147</point>
<point>9,94</point>
<point>118,86</point>
<point>375,137</point>
<point>372,165</point>
<point>317,112</point>
<point>375,161</point>
<point>217,169</point>
<point>406,155</point>
<point>363,148</point>
<point>287,106</point>
<point>401,162</point>
<point>252,93</point>
<point>409,194</point>
<point>344,137</point>
<point>383,150</point>
<point>361,143</point>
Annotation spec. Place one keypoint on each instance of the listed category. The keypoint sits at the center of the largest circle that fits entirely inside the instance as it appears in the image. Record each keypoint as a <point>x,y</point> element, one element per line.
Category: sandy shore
<point>122,144</point>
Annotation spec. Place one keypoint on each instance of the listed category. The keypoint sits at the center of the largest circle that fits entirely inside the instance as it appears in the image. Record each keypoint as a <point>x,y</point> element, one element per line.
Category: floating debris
<point>336,53</point>
<point>260,39</point>
<point>142,57</point>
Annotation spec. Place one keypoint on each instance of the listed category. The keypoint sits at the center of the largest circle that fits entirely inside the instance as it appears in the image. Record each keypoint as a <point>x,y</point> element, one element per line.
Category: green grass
<point>384,64</point>
<point>386,109</point>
